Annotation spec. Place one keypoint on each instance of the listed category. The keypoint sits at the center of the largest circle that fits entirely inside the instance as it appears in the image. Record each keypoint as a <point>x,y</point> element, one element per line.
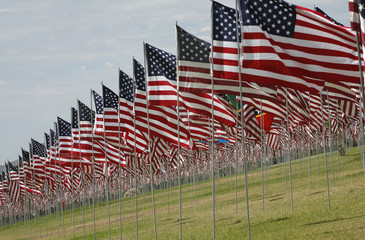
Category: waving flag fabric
<point>225,49</point>
<point>354,15</point>
<point>162,119</point>
<point>163,91</point>
<point>295,47</point>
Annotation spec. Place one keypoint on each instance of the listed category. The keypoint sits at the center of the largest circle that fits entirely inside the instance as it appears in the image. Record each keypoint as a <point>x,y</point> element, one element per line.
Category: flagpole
<point>262,159</point>
<point>236,162</point>
<point>309,147</point>
<point>93,164</point>
<point>119,172</point>
<point>106,172</point>
<point>61,189</point>
<point>135,151</point>
<point>338,138</point>
<point>149,140</point>
<point>178,133</point>
<point>288,132</point>
<point>242,122</point>
<point>81,170</point>
<point>330,137</point>
<point>212,147</point>
<point>325,154</point>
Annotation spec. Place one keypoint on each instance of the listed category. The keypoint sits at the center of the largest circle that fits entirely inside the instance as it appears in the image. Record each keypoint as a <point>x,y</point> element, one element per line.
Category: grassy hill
<point>310,218</point>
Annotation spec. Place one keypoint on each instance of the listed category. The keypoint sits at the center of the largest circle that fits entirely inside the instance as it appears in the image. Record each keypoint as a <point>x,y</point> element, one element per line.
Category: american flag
<point>13,178</point>
<point>193,63</point>
<point>87,147</point>
<point>163,90</point>
<point>295,47</point>
<point>104,150</point>
<point>39,155</point>
<point>111,118</point>
<point>225,48</point>
<point>64,138</point>
<point>162,120</point>
<point>126,110</point>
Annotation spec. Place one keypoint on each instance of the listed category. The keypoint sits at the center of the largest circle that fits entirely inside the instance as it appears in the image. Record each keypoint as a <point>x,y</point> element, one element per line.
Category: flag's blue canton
<point>7,172</point>
<point>84,112</point>
<point>25,155</point>
<point>12,168</point>
<point>2,176</point>
<point>111,99</point>
<point>52,138</point>
<point>38,149</point>
<point>224,23</point>
<point>64,127</point>
<point>273,16</point>
<point>139,75</point>
<point>74,118</point>
<point>46,136</point>
<point>192,48</point>
<point>126,87</point>
<point>362,8</point>
<point>160,63</point>
<point>20,161</point>
<point>98,103</point>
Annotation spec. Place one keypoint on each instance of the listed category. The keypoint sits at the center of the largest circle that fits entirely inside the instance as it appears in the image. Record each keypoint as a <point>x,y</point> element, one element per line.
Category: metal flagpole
<point>82,171</point>
<point>288,132</point>
<point>212,120</point>
<point>262,159</point>
<point>58,229</point>
<point>178,133</point>
<point>325,154</point>
<point>242,123</point>
<point>106,175</point>
<point>330,137</point>
<point>72,179</point>
<point>338,138</point>
<point>119,172</point>
<point>149,141</point>
<point>134,153</point>
<point>309,148</point>
<point>93,163</point>
<point>63,196</point>
<point>236,163</point>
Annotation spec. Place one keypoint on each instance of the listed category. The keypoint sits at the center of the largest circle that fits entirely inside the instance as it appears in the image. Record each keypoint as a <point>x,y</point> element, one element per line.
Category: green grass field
<point>310,218</point>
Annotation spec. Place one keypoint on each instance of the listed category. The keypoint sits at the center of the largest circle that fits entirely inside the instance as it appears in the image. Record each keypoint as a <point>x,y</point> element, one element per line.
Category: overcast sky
<point>54,52</point>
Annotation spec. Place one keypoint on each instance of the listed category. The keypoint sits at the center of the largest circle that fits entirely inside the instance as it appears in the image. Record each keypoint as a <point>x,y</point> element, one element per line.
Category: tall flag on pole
<point>193,63</point>
<point>163,91</point>
<point>126,111</point>
<point>225,48</point>
<point>295,47</point>
<point>162,120</point>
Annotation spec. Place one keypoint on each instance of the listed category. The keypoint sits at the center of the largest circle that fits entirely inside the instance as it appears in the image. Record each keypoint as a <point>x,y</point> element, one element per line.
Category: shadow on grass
<point>281,219</point>
<point>314,193</point>
<point>332,220</point>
